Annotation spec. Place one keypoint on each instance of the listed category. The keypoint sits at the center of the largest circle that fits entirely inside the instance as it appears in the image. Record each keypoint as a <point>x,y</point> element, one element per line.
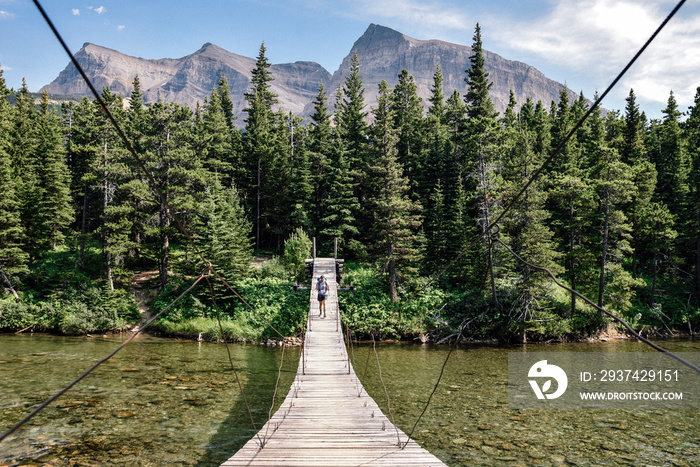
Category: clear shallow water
<point>173,402</point>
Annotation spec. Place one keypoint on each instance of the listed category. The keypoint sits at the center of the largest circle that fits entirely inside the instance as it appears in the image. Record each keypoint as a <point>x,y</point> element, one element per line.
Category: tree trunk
<point>697,263</point>
<point>572,261</point>
<point>164,246</point>
<point>9,285</point>
<point>653,281</point>
<point>605,241</point>
<point>257,216</point>
<point>393,293</point>
<point>81,252</point>
<point>105,204</point>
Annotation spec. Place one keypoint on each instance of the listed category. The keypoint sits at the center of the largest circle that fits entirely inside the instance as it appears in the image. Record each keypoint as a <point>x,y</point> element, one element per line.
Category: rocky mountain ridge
<point>382,53</point>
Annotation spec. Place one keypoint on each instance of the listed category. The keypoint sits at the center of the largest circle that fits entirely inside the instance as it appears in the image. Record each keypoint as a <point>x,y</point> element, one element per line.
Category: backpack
<point>322,286</point>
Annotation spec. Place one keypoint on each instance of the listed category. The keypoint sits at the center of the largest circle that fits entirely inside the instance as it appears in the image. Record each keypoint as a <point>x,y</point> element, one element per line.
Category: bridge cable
<point>230,359</point>
<point>388,401</point>
<point>274,396</point>
<point>536,175</point>
<point>204,275</point>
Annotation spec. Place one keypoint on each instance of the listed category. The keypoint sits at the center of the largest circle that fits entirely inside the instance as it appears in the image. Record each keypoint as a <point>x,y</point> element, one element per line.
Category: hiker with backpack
<point>322,288</point>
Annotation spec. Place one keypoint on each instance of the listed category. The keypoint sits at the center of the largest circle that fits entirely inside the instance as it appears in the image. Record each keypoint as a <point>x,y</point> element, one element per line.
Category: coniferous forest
<point>411,196</point>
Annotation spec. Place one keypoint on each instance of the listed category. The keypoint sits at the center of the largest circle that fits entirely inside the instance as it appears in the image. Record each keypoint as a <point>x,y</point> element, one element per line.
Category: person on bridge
<point>322,288</point>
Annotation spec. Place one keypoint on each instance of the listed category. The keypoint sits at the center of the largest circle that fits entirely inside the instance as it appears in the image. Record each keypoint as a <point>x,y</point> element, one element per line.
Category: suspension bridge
<point>327,417</point>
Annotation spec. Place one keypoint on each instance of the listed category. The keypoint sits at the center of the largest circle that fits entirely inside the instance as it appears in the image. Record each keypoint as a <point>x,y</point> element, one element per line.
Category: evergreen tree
<point>672,161</point>
<point>437,96</point>
<point>658,234</point>
<point>643,174</point>
<point>320,148</point>
<point>225,101</point>
<point>225,239</point>
<point>179,176</point>
<point>339,220</point>
<point>259,141</point>
<point>526,225</point>
<point>692,132</point>
<point>482,158</point>
<point>352,128</point>
<point>571,201</point>
<point>13,259</point>
<point>612,184</point>
<point>23,150</point>
<point>396,219</point>
<point>55,211</point>
<point>408,115</point>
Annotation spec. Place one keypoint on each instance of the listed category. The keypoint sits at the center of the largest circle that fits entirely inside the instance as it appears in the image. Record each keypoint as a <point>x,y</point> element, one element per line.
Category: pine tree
<point>225,239</point>
<point>658,234</point>
<point>672,161</point>
<point>13,259</point>
<point>56,211</point>
<point>179,175</point>
<point>223,90</point>
<point>692,132</point>
<point>571,200</point>
<point>612,184</point>
<point>338,217</point>
<point>259,141</point>
<point>23,150</point>
<point>643,174</point>
<point>408,115</point>
<point>526,225</point>
<point>320,148</point>
<point>396,219</point>
<point>482,159</point>
<point>352,128</point>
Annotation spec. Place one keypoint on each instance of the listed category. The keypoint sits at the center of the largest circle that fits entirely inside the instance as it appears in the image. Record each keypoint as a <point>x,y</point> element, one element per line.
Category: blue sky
<point>583,43</point>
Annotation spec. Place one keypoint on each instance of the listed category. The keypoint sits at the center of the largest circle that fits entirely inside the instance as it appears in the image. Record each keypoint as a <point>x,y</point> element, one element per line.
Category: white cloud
<point>6,15</point>
<point>121,27</point>
<point>597,38</point>
<point>76,12</point>
<point>99,10</point>
<point>432,15</point>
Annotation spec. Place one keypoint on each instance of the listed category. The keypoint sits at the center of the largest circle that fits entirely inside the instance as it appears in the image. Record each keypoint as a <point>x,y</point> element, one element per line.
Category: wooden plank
<point>327,417</point>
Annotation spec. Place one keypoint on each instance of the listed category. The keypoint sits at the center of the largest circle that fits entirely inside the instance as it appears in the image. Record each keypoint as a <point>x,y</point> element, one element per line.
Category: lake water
<point>164,401</point>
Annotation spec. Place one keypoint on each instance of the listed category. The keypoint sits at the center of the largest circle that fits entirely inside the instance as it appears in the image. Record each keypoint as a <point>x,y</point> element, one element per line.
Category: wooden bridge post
<point>335,248</point>
<point>313,250</point>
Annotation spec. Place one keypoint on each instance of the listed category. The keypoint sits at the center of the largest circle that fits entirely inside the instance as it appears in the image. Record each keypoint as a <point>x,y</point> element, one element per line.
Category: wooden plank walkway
<point>327,417</point>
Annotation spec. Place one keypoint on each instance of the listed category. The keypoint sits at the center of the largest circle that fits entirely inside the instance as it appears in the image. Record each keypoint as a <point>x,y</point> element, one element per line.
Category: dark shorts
<point>321,297</point>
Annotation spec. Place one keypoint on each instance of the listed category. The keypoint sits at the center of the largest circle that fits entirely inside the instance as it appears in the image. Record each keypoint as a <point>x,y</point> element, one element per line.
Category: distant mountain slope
<point>383,53</point>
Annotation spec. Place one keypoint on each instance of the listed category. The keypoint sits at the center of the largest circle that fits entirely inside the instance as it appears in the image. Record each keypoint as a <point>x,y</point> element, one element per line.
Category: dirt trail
<point>144,287</point>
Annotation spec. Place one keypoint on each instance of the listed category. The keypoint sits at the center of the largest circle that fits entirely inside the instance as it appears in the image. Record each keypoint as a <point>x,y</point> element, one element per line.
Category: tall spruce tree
<point>352,128</point>
<point>396,218</point>
<point>692,132</point>
<point>13,259</point>
<point>482,160</point>
<point>320,149</point>
<point>55,212</point>
<point>259,141</point>
<point>408,115</point>
<point>225,239</point>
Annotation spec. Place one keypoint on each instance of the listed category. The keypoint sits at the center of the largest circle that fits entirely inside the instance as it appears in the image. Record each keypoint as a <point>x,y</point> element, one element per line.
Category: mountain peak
<point>377,35</point>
